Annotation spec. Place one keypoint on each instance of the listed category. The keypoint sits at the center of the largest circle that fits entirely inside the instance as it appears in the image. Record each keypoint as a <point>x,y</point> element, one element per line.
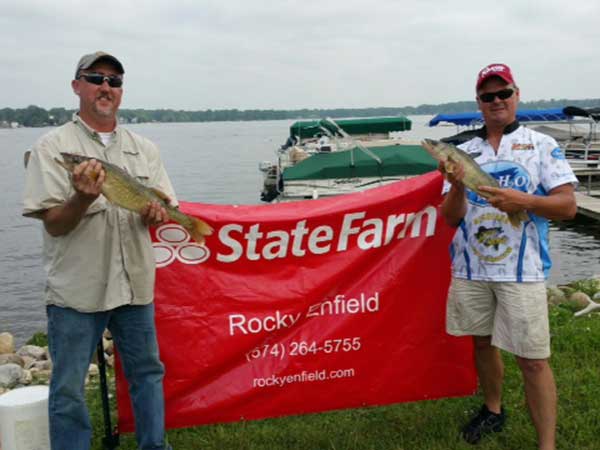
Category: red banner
<point>307,306</point>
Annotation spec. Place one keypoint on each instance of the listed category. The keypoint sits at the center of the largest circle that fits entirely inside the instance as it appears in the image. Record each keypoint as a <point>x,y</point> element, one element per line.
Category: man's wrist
<point>458,188</point>
<point>530,202</point>
<point>81,200</point>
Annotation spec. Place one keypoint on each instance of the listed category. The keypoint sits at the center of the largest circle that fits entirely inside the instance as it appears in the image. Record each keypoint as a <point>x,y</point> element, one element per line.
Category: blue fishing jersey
<point>486,246</point>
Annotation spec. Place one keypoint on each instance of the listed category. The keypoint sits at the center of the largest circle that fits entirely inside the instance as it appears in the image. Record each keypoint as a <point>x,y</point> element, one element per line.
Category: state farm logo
<point>254,242</point>
<point>175,244</point>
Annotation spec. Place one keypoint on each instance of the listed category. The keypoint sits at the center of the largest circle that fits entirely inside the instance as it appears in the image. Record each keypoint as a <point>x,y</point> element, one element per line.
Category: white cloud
<point>294,54</point>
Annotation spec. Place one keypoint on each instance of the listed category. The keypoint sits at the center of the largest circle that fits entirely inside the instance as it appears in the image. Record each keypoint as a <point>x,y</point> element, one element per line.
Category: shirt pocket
<point>137,166</point>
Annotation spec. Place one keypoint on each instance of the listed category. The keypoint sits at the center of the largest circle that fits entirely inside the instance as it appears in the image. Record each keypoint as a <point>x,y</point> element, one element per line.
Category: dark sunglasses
<point>489,97</point>
<point>114,81</point>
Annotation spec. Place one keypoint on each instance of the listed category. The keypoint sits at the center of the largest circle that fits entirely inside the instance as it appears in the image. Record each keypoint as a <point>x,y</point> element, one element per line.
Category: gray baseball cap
<point>87,61</point>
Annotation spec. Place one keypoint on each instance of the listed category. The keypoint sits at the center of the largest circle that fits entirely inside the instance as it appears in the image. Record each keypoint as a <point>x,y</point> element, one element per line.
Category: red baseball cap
<point>494,70</point>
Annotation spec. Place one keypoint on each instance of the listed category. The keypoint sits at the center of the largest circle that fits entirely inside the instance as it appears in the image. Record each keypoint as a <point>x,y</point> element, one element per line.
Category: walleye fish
<point>474,175</point>
<point>123,190</point>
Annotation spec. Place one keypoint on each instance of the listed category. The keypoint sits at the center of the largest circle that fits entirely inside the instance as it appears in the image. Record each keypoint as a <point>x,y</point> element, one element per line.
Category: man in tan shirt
<point>98,257</point>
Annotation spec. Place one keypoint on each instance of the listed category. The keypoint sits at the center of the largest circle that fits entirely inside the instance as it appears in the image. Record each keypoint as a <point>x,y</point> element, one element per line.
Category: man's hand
<point>153,214</point>
<point>88,178</point>
<point>559,204</point>
<point>507,200</point>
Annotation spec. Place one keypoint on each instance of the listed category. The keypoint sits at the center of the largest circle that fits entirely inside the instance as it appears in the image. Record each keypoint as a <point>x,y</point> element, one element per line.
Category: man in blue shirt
<point>498,294</point>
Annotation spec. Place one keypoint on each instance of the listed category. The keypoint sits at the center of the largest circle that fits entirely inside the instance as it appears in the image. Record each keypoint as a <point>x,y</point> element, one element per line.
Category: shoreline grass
<point>428,425</point>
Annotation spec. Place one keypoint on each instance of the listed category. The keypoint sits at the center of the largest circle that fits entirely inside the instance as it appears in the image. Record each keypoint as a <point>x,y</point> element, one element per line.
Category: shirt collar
<point>482,132</point>
<point>78,120</point>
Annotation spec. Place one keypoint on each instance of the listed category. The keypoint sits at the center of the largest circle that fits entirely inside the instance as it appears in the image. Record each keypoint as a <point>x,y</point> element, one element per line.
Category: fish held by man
<point>475,176</point>
<point>126,192</point>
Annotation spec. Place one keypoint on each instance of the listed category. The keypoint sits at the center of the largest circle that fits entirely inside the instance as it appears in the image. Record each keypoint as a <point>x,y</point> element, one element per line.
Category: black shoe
<point>483,423</point>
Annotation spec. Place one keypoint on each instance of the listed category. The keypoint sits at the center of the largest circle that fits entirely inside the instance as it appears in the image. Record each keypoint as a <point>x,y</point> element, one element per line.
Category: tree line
<point>35,116</point>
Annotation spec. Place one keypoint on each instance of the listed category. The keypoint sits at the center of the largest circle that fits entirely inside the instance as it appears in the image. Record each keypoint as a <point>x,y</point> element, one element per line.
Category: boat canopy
<point>592,113</point>
<point>372,125</point>
<point>396,160</point>
<point>524,115</point>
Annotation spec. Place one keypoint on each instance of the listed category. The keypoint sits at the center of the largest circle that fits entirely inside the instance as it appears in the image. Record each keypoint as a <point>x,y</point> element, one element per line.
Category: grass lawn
<point>429,425</point>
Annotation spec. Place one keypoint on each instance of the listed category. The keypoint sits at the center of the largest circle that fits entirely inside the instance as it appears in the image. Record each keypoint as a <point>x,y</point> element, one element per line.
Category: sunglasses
<point>489,97</point>
<point>114,81</point>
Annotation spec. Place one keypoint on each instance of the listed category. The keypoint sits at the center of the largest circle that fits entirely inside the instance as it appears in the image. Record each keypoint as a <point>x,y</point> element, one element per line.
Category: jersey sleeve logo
<point>557,153</point>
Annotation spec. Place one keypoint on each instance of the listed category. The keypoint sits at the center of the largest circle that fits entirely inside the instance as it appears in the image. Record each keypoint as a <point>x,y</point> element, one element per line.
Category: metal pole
<point>110,440</point>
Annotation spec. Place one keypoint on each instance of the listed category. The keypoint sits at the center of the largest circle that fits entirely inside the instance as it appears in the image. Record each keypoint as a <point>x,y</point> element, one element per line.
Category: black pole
<point>110,440</point>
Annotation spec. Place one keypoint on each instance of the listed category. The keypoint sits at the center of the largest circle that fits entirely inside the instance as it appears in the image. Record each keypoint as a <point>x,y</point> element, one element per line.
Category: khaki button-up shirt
<point>107,261</point>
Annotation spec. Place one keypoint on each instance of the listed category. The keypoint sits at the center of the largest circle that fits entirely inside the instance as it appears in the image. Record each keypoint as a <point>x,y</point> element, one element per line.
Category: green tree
<point>34,116</point>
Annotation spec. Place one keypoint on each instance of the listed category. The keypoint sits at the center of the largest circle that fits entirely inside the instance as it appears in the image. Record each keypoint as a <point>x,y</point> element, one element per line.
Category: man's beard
<point>105,111</point>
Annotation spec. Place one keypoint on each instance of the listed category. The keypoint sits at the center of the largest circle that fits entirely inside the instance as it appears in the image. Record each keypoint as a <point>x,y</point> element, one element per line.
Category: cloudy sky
<point>290,54</point>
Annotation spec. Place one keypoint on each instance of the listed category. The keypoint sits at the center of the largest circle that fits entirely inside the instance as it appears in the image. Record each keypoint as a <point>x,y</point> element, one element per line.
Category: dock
<point>587,205</point>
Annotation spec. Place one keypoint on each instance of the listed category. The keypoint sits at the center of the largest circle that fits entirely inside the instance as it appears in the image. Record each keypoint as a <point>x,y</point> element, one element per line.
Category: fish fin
<point>515,219</point>
<point>449,164</point>
<point>199,229</point>
<point>524,215</point>
<point>162,195</point>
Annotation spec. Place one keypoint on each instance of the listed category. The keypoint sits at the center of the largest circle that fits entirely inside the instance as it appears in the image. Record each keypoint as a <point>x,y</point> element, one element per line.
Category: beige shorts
<point>514,314</point>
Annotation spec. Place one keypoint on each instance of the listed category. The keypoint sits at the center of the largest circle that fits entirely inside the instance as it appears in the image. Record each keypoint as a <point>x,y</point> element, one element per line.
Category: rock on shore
<point>578,295</point>
<point>30,364</point>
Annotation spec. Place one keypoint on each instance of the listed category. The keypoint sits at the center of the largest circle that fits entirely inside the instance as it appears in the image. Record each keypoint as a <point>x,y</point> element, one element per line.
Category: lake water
<point>213,162</point>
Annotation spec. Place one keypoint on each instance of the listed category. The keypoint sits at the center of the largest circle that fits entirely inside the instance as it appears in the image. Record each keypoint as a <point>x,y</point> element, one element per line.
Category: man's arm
<point>559,204</point>
<point>63,219</point>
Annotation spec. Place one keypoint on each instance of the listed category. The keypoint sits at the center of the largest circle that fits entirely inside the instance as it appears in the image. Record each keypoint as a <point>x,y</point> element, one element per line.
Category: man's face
<point>99,101</point>
<point>500,112</point>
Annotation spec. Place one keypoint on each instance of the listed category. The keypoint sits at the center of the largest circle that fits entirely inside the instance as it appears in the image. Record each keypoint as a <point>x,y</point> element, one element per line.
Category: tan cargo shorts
<point>514,314</point>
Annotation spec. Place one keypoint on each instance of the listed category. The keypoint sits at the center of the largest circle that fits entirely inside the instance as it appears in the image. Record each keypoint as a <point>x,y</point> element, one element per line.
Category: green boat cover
<point>396,160</point>
<point>310,128</point>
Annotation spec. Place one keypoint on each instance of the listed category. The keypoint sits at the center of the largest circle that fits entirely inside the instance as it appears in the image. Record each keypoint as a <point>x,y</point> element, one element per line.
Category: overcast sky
<point>290,54</point>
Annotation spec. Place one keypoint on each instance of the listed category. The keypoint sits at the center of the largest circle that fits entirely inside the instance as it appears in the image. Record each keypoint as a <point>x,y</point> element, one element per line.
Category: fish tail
<point>515,219</point>
<point>198,229</point>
